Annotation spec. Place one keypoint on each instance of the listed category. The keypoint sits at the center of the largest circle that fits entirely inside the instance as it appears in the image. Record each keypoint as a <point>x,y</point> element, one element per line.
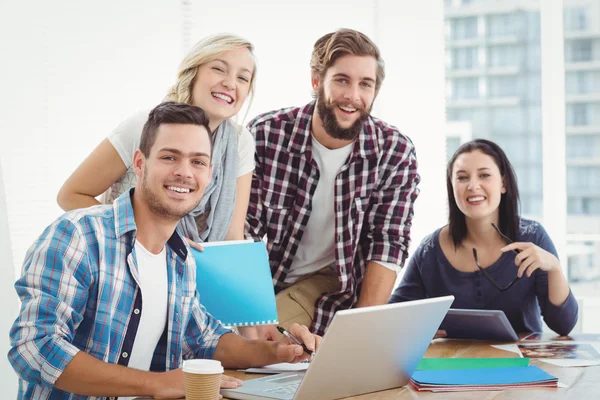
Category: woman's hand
<point>440,334</point>
<point>532,257</point>
<point>194,245</point>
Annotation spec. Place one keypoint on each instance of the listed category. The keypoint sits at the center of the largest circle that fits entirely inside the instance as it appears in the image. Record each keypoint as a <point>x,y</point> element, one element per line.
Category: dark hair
<point>508,219</point>
<point>330,47</point>
<point>171,113</point>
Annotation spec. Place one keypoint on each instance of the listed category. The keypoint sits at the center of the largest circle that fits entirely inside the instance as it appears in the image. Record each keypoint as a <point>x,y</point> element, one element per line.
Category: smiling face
<point>222,85</point>
<point>172,179</point>
<point>345,95</point>
<point>477,185</point>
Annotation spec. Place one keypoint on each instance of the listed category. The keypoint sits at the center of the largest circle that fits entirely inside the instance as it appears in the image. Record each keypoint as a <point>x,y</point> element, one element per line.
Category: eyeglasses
<point>487,275</point>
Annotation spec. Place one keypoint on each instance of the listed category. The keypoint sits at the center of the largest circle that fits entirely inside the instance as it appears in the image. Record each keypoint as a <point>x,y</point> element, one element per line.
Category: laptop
<point>364,350</point>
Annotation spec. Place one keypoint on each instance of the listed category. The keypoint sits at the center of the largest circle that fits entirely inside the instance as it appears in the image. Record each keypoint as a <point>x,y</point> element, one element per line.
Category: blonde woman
<point>217,75</point>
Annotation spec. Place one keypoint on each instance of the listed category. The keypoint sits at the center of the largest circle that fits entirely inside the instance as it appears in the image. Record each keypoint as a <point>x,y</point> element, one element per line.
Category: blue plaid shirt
<point>79,292</point>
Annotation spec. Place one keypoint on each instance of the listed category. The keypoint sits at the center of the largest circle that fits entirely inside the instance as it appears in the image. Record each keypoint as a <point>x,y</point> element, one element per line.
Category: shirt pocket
<point>357,215</point>
<point>278,207</point>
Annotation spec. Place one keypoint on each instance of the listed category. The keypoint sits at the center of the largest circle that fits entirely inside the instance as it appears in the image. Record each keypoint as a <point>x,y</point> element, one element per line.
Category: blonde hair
<point>206,50</point>
<point>334,45</point>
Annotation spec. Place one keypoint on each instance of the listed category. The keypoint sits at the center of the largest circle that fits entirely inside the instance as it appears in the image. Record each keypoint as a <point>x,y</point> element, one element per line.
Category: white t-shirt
<point>317,247</point>
<point>152,269</point>
<point>126,140</point>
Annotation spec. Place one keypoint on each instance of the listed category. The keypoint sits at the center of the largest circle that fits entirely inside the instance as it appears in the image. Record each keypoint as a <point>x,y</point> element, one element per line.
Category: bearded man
<point>333,190</point>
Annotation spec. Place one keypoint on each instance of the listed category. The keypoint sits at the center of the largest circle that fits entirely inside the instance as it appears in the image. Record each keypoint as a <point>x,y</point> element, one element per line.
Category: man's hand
<point>264,332</point>
<point>170,384</point>
<point>288,351</point>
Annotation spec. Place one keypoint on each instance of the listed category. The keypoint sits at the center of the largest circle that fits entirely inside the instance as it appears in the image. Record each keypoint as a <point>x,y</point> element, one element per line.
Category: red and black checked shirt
<point>374,195</point>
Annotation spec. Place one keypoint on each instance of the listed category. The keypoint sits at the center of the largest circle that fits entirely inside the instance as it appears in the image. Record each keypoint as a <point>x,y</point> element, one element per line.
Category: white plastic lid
<point>201,366</point>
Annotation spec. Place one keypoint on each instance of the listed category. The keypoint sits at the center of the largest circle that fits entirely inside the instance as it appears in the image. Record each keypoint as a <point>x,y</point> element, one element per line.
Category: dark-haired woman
<point>487,256</point>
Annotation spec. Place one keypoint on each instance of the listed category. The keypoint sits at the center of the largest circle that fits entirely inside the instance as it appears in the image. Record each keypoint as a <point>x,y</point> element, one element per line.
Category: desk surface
<point>584,382</point>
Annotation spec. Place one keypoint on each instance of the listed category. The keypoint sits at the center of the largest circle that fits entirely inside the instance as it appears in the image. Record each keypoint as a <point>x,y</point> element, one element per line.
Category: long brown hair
<point>508,219</point>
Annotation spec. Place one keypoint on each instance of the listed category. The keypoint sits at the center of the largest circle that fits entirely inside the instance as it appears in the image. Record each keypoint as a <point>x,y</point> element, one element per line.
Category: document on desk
<point>279,368</point>
<point>470,363</point>
<point>482,379</point>
<point>235,284</point>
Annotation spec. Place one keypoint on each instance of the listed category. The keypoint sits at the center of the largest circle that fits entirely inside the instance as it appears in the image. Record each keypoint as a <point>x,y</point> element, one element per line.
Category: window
<point>583,146</point>
<point>533,56</point>
<point>582,82</point>
<point>577,114</point>
<point>464,58</point>
<point>535,150</point>
<point>576,19</point>
<point>504,86</point>
<point>452,144</point>
<point>505,24</point>
<point>504,55</point>
<point>534,120</point>
<point>463,28</point>
<point>579,50</point>
<point>585,179</point>
<point>516,149</point>
<point>507,120</point>
<point>465,88</point>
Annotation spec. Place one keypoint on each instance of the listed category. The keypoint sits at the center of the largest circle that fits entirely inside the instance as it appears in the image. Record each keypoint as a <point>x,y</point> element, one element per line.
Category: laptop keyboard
<point>289,389</point>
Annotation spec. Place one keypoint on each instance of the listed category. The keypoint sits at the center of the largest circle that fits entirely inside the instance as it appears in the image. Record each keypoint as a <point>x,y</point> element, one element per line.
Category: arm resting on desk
<point>235,351</point>
<point>89,376</point>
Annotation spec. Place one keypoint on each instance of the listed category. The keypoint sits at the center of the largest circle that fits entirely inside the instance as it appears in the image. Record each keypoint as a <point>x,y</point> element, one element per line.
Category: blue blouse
<point>430,274</point>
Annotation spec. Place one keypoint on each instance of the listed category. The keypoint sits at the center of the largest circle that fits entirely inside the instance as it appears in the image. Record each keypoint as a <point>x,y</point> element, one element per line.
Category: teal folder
<point>484,376</point>
<point>471,363</point>
<point>235,284</point>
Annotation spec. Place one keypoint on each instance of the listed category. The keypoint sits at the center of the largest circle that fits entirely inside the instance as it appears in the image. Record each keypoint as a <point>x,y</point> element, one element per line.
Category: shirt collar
<point>125,223</point>
<point>365,146</point>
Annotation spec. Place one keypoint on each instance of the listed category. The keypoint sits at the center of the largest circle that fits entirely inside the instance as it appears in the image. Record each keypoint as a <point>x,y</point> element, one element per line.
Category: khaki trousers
<point>296,303</point>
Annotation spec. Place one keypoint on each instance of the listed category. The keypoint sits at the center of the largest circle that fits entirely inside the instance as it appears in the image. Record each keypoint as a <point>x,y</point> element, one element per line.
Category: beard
<point>330,123</point>
<point>159,208</point>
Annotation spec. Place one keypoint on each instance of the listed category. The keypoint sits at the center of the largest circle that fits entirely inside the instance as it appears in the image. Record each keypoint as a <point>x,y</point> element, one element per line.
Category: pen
<point>296,341</point>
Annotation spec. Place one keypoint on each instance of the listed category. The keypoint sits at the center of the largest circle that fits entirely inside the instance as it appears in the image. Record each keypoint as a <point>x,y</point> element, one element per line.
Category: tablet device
<point>478,325</point>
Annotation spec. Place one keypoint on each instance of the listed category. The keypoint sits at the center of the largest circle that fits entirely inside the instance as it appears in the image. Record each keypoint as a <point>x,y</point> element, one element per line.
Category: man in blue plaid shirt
<point>109,302</point>
<point>333,189</point>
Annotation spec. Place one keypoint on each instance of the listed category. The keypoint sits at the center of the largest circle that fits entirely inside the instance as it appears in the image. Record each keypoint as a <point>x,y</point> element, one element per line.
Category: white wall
<point>8,299</point>
<point>411,38</point>
<point>72,70</point>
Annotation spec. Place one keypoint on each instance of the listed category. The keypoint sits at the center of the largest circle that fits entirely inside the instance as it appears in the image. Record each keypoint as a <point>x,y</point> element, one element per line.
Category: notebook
<point>470,363</point>
<point>234,282</point>
<point>279,368</point>
<point>482,379</point>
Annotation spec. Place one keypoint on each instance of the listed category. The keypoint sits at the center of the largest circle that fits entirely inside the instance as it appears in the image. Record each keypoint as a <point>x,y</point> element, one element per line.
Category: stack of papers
<point>459,374</point>
<point>470,363</point>
<point>278,368</point>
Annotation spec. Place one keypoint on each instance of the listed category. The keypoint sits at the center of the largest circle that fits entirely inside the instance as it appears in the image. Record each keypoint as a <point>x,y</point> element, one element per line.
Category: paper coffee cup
<point>202,379</point>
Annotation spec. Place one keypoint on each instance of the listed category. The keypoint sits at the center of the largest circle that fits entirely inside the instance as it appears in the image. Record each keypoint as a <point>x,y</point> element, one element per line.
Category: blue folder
<point>486,376</point>
<point>235,284</point>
